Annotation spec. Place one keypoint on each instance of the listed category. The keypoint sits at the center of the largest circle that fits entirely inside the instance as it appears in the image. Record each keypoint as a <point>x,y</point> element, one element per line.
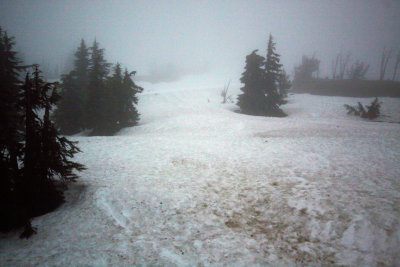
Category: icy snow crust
<point>198,184</point>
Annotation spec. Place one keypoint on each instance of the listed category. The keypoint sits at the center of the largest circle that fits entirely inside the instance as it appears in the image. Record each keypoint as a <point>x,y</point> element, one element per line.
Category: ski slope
<point>199,184</point>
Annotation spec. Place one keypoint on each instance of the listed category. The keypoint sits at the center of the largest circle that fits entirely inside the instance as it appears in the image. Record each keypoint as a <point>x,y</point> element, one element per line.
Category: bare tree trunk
<point>384,61</point>
<point>335,65</point>
<point>396,65</point>
<point>343,62</point>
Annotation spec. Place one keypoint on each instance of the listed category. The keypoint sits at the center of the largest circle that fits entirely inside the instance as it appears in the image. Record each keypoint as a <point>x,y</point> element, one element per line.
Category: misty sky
<point>208,39</point>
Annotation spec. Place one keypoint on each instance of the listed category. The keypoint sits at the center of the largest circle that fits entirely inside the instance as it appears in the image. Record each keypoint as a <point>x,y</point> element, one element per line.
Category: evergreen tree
<point>121,98</point>
<point>32,155</point>
<point>96,101</point>
<point>273,72</point>
<point>10,134</point>
<point>252,100</point>
<point>129,115</point>
<point>46,155</point>
<point>81,68</point>
<point>113,99</point>
<point>284,84</point>
<point>69,115</point>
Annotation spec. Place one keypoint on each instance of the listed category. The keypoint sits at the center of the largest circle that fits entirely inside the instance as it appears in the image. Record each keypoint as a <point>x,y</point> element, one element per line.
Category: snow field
<point>198,184</point>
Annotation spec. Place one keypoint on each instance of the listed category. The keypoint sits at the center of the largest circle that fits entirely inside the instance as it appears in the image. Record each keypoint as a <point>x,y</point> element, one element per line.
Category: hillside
<point>199,184</point>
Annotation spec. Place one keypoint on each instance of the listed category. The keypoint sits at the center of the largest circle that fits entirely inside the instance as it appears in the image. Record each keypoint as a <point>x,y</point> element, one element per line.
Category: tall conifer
<point>69,115</point>
<point>10,133</point>
<point>253,100</point>
<point>46,159</point>
<point>129,115</point>
<point>96,108</point>
<point>273,72</point>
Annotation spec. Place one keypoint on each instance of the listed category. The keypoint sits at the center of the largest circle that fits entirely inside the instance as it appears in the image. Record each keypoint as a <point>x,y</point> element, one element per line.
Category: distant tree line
<point>93,99</point>
<point>347,79</point>
<point>34,159</point>
<point>265,84</point>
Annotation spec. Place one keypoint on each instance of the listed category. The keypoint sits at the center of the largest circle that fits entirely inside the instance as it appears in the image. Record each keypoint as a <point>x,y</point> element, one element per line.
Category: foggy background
<point>203,43</point>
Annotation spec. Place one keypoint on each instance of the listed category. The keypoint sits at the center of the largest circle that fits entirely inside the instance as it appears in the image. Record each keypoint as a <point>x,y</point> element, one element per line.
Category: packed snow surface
<point>199,184</point>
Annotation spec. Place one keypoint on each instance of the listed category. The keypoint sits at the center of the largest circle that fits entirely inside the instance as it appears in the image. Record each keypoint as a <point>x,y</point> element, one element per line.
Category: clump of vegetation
<point>369,112</point>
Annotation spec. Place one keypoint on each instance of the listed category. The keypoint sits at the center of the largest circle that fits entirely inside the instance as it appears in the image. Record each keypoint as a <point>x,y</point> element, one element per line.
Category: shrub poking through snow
<point>369,112</point>
<point>224,93</point>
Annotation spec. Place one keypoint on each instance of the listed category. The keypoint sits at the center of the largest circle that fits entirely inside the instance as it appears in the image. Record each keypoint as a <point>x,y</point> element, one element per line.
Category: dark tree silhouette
<point>46,159</point>
<point>93,100</point>
<point>95,106</point>
<point>253,100</point>
<point>69,115</point>
<point>114,96</point>
<point>129,115</point>
<point>10,134</point>
<point>34,159</point>
<point>273,72</point>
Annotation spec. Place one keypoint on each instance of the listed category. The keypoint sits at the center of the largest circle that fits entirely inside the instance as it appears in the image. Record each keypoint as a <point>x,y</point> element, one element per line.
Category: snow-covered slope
<point>198,184</point>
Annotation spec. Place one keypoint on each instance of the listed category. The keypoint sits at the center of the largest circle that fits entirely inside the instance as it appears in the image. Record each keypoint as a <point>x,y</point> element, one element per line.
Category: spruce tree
<point>33,157</point>
<point>96,101</point>
<point>129,115</point>
<point>273,72</point>
<point>284,85</point>
<point>81,68</point>
<point>121,98</point>
<point>46,160</point>
<point>114,98</point>
<point>252,100</point>
<point>10,134</point>
<point>69,115</point>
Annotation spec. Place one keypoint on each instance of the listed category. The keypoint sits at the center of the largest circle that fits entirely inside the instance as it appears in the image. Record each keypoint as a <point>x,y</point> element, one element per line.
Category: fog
<point>202,41</point>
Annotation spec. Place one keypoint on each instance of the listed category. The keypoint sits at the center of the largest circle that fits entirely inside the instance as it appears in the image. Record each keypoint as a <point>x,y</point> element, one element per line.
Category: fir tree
<point>121,98</point>
<point>129,115</point>
<point>273,72</point>
<point>46,159</point>
<point>32,155</point>
<point>81,67</point>
<point>252,100</point>
<point>10,134</point>
<point>69,115</point>
<point>96,107</point>
<point>284,85</point>
<point>113,99</point>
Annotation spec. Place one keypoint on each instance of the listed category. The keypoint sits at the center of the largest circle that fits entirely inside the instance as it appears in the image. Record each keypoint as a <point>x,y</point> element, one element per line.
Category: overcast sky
<point>203,38</point>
